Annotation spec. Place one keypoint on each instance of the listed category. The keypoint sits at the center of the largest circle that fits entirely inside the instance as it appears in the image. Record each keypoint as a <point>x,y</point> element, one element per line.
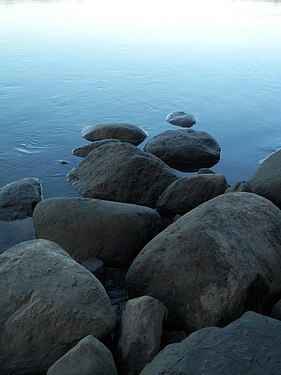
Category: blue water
<point>66,64</point>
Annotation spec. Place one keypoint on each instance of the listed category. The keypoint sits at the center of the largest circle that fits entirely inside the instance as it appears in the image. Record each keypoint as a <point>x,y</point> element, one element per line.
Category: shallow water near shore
<point>66,64</point>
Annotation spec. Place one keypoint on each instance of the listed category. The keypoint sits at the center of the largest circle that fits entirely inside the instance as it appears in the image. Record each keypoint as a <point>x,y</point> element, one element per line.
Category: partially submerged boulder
<point>180,118</point>
<point>248,346</point>
<point>113,232</point>
<point>185,149</point>
<point>140,334</point>
<point>240,186</point>
<point>48,303</point>
<point>83,151</point>
<point>266,181</point>
<point>88,357</point>
<point>189,192</point>
<point>19,198</point>
<point>121,172</point>
<point>122,131</point>
<point>215,262</point>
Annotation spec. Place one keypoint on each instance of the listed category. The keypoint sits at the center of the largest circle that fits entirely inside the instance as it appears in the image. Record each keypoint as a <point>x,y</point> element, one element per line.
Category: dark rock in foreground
<point>89,228</point>
<point>88,357</point>
<point>215,262</point>
<point>183,119</point>
<point>48,303</point>
<point>122,131</point>
<point>18,199</point>
<point>266,181</point>
<point>123,173</point>
<point>248,346</point>
<point>83,151</point>
<point>185,148</point>
<point>187,193</point>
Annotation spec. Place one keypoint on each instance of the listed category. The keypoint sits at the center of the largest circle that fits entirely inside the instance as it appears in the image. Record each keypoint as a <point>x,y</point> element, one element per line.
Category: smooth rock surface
<point>121,172</point>
<point>189,192</point>
<point>180,118</point>
<point>240,187</point>
<point>48,303</point>
<point>185,147</point>
<point>88,357</point>
<point>122,131</point>
<point>83,151</point>
<point>19,198</point>
<point>248,346</point>
<point>113,232</point>
<point>215,262</point>
<point>266,181</point>
<point>140,334</point>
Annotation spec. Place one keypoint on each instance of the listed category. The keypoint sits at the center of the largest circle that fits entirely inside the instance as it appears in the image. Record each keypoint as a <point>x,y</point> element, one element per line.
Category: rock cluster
<point>149,272</point>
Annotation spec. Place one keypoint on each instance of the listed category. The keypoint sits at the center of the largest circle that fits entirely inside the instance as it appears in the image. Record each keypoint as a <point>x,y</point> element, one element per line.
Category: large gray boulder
<point>180,118</point>
<point>121,172</point>
<point>213,263</point>
<point>18,199</point>
<point>122,131</point>
<point>88,357</point>
<point>189,192</point>
<point>48,303</point>
<point>248,346</point>
<point>140,334</point>
<point>90,228</point>
<point>266,181</point>
<point>83,151</point>
<point>185,147</point>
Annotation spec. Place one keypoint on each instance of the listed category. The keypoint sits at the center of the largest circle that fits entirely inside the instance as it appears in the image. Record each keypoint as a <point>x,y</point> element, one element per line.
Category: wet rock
<point>63,162</point>
<point>205,171</point>
<point>19,198</point>
<point>48,303</point>
<point>185,149</point>
<point>122,131</point>
<point>89,228</point>
<point>121,172</point>
<point>88,357</point>
<point>248,346</point>
<point>183,119</point>
<point>187,193</point>
<point>222,258</point>
<point>139,334</point>
<point>266,181</point>
<point>240,187</point>
<point>276,311</point>
<point>83,151</point>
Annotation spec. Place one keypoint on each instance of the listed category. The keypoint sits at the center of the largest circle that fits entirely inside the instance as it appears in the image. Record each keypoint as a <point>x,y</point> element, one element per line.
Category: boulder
<point>122,131</point>
<point>88,357</point>
<point>19,198</point>
<point>121,172</point>
<point>266,181</point>
<point>185,149</point>
<point>189,192</point>
<point>83,151</point>
<point>276,311</point>
<point>215,262</point>
<point>205,171</point>
<point>48,303</point>
<point>183,119</point>
<point>240,187</point>
<point>248,346</point>
<point>90,228</point>
<point>140,334</point>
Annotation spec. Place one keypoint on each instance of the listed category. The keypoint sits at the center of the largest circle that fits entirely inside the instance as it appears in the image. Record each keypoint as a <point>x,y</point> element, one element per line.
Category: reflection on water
<point>67,64</point>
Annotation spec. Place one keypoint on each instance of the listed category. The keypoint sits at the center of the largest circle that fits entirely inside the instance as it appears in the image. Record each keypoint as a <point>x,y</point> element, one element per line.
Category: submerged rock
<point>88,357</point>
<point>121,172</point>
<point>113,232</point>
<point>122,131</point>
<point>19,198</point>
<point>83,151</point>
<point>222,258</point>
<point>248,346</point>
<point>48,303</point>
<point>266,181</point>
<point>187,193</point>
<point>185,149</point>
<point>183,119</point>
<point>140,334</point>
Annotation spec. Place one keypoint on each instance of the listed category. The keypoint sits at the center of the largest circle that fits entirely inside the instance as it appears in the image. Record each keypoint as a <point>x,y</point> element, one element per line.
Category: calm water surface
<point>66,64</point>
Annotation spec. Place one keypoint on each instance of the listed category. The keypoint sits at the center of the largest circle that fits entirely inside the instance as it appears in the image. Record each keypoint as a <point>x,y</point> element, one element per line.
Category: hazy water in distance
<point>66,64</point>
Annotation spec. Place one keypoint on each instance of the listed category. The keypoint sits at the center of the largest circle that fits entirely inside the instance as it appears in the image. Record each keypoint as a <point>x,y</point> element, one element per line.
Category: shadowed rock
<point>183,119</point>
